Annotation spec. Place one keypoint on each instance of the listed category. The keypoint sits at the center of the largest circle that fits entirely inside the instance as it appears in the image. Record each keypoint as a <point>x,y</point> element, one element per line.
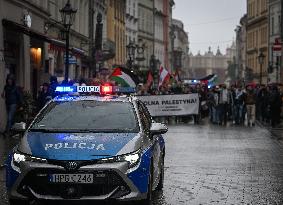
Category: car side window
<point>144,119</point>
<point>147,114</point>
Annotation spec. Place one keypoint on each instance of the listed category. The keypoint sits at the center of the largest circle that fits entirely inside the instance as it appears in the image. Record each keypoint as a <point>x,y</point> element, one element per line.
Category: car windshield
<point>87,116</point>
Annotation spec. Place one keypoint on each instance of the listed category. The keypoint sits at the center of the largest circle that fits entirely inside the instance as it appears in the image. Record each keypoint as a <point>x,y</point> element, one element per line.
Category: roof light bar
<point>103,89</point>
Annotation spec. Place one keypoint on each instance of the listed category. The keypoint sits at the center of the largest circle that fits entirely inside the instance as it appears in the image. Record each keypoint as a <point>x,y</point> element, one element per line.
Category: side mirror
<point>19,127</point>
<point>158,128</point>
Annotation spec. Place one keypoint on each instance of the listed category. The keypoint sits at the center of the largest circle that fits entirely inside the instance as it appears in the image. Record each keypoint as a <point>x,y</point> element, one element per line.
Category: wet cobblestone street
<point>216,165</point>
<point>209,164</point>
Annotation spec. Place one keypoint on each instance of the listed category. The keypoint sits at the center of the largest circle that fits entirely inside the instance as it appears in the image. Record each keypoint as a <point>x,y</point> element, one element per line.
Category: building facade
<point>240,59</point>
<point>181,48</point>
<point>22,44</point>
<point>275,73</point>
<point>257,39</point>
<point>32,46</point>
<point>146,30</point>
<point>210,63</point>
<point>159,31</point>
<point>116,31</point>
<point>132,21</point>
<point>79,40</point>
<point>155,20</point>
<point>162,25</point>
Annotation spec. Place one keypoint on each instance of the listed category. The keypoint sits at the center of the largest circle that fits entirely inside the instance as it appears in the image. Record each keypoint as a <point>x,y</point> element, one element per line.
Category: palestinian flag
<point>124,77</point>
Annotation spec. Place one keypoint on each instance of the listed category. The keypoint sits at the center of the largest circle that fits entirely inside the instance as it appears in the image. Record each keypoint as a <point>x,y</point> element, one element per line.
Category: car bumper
<point>119,182</point>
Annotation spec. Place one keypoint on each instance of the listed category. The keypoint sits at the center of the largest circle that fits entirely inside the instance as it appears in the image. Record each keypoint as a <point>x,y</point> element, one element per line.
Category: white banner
<point>171,105</point>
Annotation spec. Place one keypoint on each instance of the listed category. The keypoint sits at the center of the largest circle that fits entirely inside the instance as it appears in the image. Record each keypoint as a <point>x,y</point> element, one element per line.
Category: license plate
<point>72,178</point>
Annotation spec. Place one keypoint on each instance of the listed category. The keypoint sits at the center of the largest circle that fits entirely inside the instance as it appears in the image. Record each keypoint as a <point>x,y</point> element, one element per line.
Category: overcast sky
<point>209,22</point>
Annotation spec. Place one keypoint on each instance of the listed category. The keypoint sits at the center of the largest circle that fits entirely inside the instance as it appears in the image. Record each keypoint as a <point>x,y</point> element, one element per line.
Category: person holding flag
<point>150,80</point>
<point>164,76</point>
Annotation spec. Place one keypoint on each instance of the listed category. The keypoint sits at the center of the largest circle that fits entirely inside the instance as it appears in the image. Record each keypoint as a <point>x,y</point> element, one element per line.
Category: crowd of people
<point>236,104</point>
<point>245,104</point>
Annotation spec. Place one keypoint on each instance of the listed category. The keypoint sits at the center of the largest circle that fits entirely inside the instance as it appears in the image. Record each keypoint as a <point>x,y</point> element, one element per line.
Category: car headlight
<point>133,159</point>
<point>18,157</point>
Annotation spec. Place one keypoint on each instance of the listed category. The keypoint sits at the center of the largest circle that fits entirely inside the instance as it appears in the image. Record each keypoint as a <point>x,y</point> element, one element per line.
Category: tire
<point>161,177</point>
<point>148,199</point>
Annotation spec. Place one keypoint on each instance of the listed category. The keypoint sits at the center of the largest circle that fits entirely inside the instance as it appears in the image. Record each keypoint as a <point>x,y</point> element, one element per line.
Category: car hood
<point>78,146</point>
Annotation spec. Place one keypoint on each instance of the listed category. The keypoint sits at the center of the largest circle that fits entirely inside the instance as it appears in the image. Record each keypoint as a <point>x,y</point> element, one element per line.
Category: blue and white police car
<point>82,147</point>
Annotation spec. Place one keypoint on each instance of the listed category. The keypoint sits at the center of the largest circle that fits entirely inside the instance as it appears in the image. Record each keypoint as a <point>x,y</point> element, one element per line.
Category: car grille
<point>104,183</point>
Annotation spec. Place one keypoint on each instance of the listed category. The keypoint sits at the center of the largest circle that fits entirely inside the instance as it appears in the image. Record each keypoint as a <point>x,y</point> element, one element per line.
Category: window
<point>145,117</point>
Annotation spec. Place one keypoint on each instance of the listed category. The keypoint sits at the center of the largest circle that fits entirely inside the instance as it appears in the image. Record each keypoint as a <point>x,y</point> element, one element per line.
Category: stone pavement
<point>223,165</point>
<point>209,165</point>
<point>276,133</point>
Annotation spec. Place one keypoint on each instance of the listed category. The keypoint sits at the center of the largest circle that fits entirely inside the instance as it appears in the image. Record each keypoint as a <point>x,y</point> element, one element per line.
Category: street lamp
<point>261,58</point>
<point>153,63</point>
<point>132,49</point>
<point>68,16</point>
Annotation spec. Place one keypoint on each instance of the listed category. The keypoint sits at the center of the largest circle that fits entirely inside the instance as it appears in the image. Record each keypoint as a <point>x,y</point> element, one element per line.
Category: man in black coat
<point>13,100</point>
<point>275,103</point>
<point>43,96</point>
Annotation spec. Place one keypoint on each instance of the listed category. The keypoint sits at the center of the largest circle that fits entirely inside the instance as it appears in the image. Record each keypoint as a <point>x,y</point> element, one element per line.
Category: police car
<point>88,147</point>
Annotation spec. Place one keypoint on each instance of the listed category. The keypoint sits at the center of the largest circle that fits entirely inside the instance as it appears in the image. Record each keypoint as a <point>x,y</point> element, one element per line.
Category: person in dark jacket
<point>13,100</point>
<point>53,85</point>
<point>239,106</point>
<point>250,101</point>
<point>275,103</point>
<point>262,103</point>
<point>43,96</point>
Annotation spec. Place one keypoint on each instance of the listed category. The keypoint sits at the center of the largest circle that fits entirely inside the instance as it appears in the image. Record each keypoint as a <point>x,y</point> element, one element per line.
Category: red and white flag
<point>164,76</point>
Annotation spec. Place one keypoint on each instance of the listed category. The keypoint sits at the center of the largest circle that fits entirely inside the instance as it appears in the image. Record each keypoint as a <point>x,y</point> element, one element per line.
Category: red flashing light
<point>106,89</point>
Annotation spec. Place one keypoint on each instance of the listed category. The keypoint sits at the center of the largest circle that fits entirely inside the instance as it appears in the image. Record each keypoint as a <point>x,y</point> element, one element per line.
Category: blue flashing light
<point>66,89</point>
<point>65,98</point>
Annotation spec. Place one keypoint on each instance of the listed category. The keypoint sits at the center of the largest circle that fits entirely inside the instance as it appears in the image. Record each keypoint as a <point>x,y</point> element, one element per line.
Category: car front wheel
<point>161,177</point>
<point>148,200</point>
